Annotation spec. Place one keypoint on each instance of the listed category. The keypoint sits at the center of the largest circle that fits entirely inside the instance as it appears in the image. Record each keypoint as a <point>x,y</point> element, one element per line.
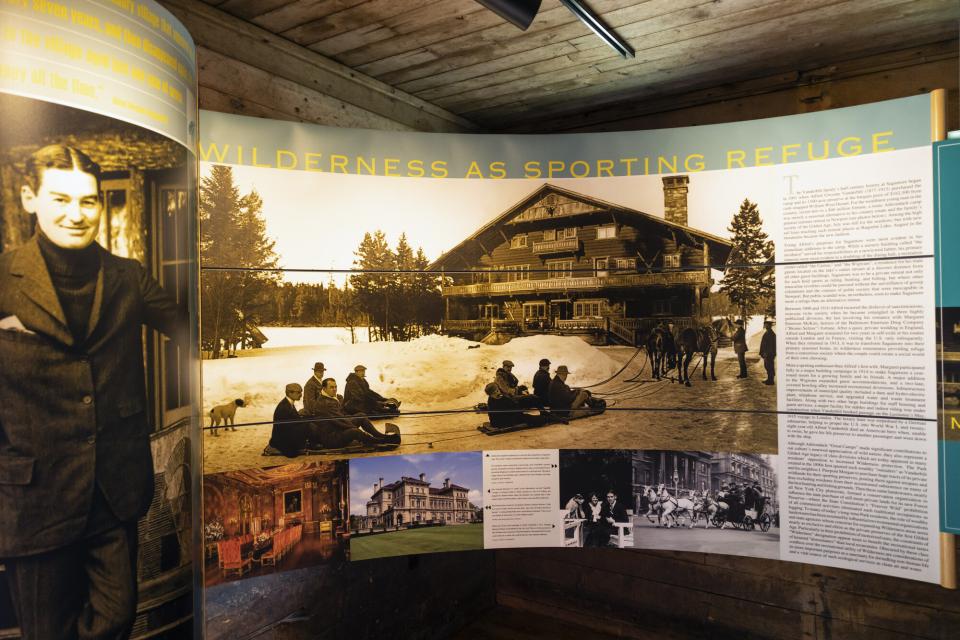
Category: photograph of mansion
<point>559,261</point>
<point>412,500</point>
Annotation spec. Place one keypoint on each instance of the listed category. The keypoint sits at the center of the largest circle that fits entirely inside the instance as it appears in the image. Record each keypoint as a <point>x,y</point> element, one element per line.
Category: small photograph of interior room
<point>259,521</point>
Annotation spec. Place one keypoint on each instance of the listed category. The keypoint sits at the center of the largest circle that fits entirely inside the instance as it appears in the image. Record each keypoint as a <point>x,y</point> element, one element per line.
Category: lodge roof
<point>720,246</point>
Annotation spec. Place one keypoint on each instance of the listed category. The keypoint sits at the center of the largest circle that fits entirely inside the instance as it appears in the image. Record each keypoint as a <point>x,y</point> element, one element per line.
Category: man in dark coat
<point>289,435</point>
<point>740,348</point>
<point>541,382</point>
<point>311,390</point>
<point>564,401</point>
<point>334,429</point>
<point>505,411</point>
<point>76,471</point>
<point>358,397</point>
<point>612,512</point>
<point>768,351</point>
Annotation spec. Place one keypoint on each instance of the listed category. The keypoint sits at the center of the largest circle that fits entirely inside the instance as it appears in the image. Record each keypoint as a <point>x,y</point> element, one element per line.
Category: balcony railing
<point>699,277</point>
<point>567,245</point>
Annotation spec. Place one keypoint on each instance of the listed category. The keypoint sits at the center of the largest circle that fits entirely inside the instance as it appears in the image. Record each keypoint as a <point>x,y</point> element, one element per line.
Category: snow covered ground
<point>309,336</point>
<point>429,373</point>
<point>443,373</point>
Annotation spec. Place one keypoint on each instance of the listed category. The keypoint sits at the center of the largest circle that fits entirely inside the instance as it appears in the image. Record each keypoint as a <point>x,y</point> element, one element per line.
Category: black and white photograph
<point>706,502</point>
<point>96,221</point>
<point>540,305</point>
<point>596,496</point>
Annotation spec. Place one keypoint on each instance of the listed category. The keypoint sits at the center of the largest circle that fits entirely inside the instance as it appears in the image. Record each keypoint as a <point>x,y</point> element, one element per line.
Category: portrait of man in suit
<point>76,470</point>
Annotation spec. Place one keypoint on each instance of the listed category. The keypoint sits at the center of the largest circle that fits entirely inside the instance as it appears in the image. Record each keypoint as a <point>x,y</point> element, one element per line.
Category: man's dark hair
<point>58,156</point>
<point>324,383</point>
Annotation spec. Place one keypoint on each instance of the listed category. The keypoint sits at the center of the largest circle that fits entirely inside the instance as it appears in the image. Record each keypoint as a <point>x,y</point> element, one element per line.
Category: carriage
<point>746,519</point>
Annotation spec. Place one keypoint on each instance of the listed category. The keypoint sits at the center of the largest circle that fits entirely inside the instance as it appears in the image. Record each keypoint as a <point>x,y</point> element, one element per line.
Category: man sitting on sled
<point>333,429</point>
<point>505,411</point>
<point>358,397</point>
<point>572,403</point>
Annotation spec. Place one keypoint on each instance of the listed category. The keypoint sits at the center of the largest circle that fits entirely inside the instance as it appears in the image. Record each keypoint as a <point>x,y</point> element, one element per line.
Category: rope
<point>622,369</point>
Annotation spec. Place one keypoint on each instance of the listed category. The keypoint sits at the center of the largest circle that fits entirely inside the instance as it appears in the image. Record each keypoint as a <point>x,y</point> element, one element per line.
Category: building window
<point>671,261</point>
<point>662,307</point>
<point>560,268</point>
<point>600,267</point>
<point>588,308</point>
<point>517,272</point>
<point>518,241</point>
<point>626,264</point>
<point>607,232</point>
<point>534,310</point>
<point>549,235</point>
<point>489,311</point>
<point>569,232</point>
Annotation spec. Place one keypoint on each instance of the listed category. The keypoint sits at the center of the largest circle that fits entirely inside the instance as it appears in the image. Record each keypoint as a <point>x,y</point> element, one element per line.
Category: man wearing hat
<point>510,386</point>
<point>567,402</point>
<point>740,348</point>
<point>768,350</point>
<point>541,382</point>
<point>359,398</point>
<point>312,391</point>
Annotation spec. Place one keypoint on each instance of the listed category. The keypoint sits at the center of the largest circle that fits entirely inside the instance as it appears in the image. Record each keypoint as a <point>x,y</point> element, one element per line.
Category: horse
<point>708,340</point>
<point>661,350</point>
<point>653,505</point>
<point>704,506</point>
<point>672,508</point>
<point>689,342</point>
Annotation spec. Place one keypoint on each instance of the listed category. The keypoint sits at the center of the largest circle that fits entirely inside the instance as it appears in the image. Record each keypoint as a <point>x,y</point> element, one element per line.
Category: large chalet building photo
<point>564,262</point>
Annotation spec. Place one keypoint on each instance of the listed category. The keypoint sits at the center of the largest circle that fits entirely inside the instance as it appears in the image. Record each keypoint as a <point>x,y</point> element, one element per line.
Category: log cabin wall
<point>245,69</point>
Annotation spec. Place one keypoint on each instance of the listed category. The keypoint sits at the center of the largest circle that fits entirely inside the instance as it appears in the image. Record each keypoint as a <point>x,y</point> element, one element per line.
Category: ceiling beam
<point>236,39</point>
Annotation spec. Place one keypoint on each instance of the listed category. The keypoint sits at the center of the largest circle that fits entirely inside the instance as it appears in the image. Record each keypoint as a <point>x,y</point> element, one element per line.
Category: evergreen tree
<point>233,233</point>
<point>373,284</point>
<point>748,286</point>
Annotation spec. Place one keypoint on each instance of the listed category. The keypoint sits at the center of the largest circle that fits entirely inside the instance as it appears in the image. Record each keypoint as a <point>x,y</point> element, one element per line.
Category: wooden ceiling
<point>459,56</point>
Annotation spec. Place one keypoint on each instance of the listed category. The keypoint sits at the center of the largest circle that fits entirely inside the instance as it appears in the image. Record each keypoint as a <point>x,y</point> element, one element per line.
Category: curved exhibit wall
<point>99,382</point>
<point>675,339</point>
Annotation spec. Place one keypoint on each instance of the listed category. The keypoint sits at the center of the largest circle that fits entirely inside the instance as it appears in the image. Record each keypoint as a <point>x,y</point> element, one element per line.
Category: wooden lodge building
<point>560,261</point>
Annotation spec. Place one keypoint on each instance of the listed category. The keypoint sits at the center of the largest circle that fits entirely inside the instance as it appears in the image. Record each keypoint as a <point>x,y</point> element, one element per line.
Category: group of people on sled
<point>328,420</point>
<point>511,405</point>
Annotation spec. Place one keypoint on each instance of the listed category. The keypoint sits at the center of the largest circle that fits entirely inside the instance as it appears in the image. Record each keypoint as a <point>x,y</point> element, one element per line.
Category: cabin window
<point>490,311</point>
<point>518,241</point>
<point>600,267</point>
<point>564,234</point>
<point>671,260</point>
<point>534,310</point>
<point>626,264</point>
<point>607,232</point>
<point>662,307</point>
<point>517,272</point>
<point>588,308</point>
<point>560,268</point>
<point>549,235</point>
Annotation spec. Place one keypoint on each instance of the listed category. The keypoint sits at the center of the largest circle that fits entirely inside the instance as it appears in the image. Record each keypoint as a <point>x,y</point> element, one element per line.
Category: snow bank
<point>303,336</point>
<point>432,372</point>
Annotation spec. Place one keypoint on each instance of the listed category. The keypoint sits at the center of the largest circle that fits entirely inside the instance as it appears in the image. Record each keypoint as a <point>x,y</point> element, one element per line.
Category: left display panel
<point>98,340</point>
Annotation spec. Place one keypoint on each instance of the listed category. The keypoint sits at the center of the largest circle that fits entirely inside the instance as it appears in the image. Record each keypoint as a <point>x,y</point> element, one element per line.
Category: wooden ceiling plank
<point>673,28</point>
<point>248,43</point>
<point>353,17</point>
<point>247,9</point>
<point>228,75</point>
<point>297,13</point>
<point>458,17</point>
<point>658,99</point>
<point>550,27</point>
<point>700,68</point>
<point>214,100</point>
<point>776,22</point>
<point>374,32</point>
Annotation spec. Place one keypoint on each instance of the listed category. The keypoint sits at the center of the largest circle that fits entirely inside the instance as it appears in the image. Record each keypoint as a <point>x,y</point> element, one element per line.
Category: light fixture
<point>518,12</point>
<point>607,34</point>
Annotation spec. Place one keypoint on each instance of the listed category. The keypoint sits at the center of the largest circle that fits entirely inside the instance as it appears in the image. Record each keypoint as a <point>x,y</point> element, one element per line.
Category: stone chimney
<point>423,477</point>
<point>446,483</point>
<point>375,487</point>
<point>675,198</point>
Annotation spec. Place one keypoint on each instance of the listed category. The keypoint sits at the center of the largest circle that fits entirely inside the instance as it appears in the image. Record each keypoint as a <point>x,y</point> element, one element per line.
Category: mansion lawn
<point>461,537</point>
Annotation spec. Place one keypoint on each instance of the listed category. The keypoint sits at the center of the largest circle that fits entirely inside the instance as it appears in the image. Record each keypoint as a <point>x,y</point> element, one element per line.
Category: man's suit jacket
<point>289,432</point>
<point>311,396</point>
<point>73,414</point>
<point>618,513</point>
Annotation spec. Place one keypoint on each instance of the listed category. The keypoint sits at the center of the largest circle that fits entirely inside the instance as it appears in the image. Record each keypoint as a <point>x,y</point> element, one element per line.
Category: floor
<point>504,623</point>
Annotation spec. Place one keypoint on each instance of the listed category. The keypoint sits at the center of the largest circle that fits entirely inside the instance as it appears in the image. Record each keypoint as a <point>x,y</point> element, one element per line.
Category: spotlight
<point>517,12</point>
